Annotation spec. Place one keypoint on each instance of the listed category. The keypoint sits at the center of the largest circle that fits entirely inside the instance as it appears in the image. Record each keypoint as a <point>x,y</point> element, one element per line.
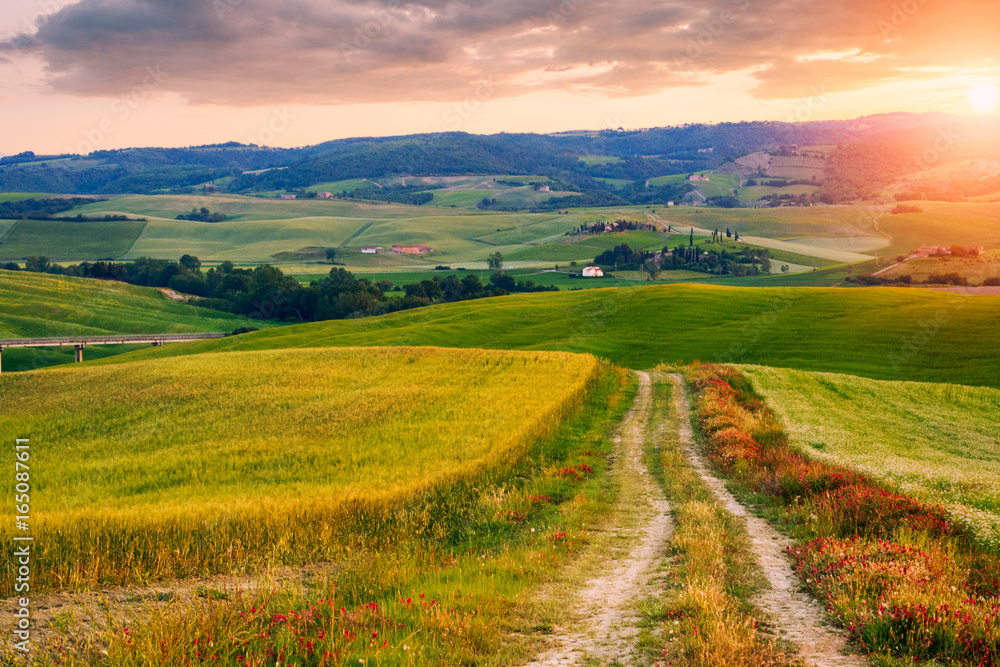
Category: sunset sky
<point>99,74</point>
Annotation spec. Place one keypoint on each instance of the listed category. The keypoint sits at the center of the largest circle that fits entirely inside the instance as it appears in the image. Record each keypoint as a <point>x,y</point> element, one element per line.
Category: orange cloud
<point>248,53</point>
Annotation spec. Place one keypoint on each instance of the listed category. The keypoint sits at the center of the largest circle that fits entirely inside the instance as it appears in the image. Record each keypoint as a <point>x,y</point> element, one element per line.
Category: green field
<point>242,240</point>
<point>883,333</point>
<point>584,247</point>
<point>560,278</point>
<point>718,185</point>
<point>599,159</point>
<point>40,305</point>
<point>673,179</point>
<point>616,183</point>
<point>21,196</point>
<point>69,240</point>
<point>265,230</point>
<point>236,207</point>
<point>937,442</point>
<point>461,198</point>
<point>751,194</point>
<point>943,223</point>
<point>336,187</point>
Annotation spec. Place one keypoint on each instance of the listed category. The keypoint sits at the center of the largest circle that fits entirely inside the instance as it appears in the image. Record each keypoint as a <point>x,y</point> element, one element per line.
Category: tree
<point>331,254</point>
<point>36,264</point>
<point>495,261</point>
<point>652,268</point>
<point>502,281</point>
<point>190,262</point>
<point>692,237</point>
<point>784,268</point>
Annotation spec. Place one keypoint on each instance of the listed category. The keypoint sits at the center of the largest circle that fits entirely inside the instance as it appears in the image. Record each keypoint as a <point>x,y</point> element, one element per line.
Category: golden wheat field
<point>220,462</point>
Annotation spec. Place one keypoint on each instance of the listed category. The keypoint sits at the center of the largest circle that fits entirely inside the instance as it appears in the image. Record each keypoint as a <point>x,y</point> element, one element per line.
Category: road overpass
<point>80,342</point>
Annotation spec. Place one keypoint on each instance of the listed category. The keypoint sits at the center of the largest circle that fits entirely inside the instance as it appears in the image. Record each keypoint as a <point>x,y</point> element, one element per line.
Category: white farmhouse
<point>593,272</point>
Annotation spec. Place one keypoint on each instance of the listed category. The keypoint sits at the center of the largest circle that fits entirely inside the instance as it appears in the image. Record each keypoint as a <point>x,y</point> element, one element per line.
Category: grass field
<point>883,333</point>
<point>461,198</point>
<point>752,194</point>
<point>450,576</point>
<point>258,229</point>
<point>585,247</point>
<point>937,442</point>
<point>943,223</point>
<point>336,187</point>
<point>616,183</point>
<point>21,196</point>
<point>560,278</point>
<point>782,223</point>
<point>264,451</point>
<point>236,207</point>
<point>599,159</point>
<point>907,583</point>
<point>244,240</point>
<point>69,240</point>
<point>718,185</point>
<point>667,180</point>
<point>974,269</point>
<point>40,305</point>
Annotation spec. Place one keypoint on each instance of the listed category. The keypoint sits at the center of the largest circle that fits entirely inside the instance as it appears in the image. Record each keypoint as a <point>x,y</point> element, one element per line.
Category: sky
<point>84,75</point>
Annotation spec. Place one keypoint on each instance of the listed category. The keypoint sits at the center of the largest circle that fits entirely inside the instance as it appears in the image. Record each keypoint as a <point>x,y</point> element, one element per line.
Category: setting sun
<point>984,97</point>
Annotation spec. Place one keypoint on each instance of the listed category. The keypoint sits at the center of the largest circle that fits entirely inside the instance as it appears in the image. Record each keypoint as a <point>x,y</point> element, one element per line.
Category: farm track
<point>797,616</point>
<point>357,233</point>
<point>607,629</point>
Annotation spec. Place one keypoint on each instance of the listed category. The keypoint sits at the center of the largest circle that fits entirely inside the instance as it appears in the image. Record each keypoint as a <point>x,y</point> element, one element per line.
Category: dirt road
<point>606,628</point>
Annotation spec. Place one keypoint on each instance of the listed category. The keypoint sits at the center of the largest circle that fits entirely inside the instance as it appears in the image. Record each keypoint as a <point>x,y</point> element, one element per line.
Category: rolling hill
<point>881,333</point>
<point>38,305</point>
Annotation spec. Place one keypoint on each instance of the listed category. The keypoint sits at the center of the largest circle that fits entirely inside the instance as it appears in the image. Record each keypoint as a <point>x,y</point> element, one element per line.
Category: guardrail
<point>79,342</point>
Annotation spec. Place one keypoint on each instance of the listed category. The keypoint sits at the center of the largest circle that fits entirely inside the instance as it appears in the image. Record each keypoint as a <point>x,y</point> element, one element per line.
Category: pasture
<point>57,239</point>
<point>40,305</point>
<point>943,223</point>
<point>599,159</point>
<point>974,269</point>
<point>241,240</point>
<point>215,463</point>
<point>718,185</point>
<point>882,333</point>
<point>266,230</point>
<point>672,179</point>
<point>20,196</point>
<point>751,194</point>
<point>936,442</point>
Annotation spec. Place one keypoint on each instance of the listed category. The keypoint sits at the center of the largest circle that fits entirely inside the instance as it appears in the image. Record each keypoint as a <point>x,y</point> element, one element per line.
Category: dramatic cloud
<point>251,52</point>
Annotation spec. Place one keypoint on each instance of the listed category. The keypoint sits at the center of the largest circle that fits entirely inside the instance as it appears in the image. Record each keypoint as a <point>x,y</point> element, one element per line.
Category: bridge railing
<point>74,341</point>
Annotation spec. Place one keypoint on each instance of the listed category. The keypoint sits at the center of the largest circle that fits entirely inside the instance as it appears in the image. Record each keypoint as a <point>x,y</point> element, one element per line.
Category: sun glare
<point>984,97</point>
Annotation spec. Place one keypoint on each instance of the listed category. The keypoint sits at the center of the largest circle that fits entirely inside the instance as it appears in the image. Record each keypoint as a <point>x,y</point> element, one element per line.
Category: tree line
<point>264,292</point>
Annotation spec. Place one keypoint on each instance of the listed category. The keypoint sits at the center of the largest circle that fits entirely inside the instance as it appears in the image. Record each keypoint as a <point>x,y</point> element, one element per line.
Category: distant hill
<point>633,156</point>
